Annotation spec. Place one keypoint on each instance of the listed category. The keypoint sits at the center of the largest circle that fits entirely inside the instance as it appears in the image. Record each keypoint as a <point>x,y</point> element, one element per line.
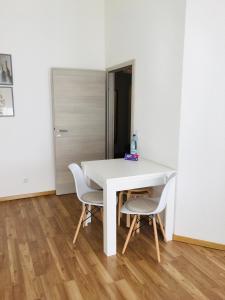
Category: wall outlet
<point>25,180</point>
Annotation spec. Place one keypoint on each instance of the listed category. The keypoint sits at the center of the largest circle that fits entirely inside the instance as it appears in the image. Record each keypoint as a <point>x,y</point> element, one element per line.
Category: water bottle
<point>133,145</point>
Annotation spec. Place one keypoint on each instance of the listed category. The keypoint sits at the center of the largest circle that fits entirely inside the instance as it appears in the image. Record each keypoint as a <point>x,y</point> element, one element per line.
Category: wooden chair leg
<point>123,193</point>
<point>128,221</point>
<point>84,217</point>
<point>129,234</point>
<point>156,239</point>
<point>161,227</point>
<point>135,227</point>
<point>120,202</point>
<point>138,225</point>
<point>128,216</point>
<point>79,224</point>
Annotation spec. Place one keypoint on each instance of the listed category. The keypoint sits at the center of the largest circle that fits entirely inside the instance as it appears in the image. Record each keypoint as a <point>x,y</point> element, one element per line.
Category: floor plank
<point>38,260</point>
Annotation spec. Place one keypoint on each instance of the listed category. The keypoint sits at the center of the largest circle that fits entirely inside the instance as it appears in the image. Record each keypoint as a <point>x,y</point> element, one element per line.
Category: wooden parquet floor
<point>38,261</point>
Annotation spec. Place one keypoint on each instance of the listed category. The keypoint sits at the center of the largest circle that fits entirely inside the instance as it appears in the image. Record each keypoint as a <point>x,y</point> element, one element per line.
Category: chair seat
<point>93,198</point>
<point>140,205</point>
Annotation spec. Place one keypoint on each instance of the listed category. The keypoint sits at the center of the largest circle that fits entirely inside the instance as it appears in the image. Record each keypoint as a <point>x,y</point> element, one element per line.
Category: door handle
<point>61,130</point>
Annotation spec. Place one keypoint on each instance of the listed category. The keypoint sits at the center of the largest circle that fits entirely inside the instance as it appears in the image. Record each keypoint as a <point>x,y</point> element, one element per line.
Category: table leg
<point>169,217</point>
<point>109,220</point>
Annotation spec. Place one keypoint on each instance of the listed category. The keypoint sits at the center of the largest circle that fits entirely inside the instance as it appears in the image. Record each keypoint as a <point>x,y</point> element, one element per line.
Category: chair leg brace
<point>139,220</point>
<point>92,212</point>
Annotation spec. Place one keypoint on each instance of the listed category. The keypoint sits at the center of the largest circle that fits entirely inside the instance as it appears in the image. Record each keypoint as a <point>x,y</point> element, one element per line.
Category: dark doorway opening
<point>119,112</point>
<point>122,117</point>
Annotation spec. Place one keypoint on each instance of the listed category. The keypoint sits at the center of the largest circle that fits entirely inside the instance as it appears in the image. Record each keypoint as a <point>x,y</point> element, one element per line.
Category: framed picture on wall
<point>6,102</point>
<point>6,75</point>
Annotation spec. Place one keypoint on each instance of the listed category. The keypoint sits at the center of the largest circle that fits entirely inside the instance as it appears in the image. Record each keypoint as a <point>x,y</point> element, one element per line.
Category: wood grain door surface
<point>79,121</point>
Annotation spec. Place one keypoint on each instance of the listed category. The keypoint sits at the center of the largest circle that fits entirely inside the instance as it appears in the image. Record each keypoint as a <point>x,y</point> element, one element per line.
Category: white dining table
<point>115,175</point>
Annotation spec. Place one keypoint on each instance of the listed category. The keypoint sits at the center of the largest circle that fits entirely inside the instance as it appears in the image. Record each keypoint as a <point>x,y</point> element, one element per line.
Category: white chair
<point>129,194</point>
<point>150,207</point>
<point>85,194</point>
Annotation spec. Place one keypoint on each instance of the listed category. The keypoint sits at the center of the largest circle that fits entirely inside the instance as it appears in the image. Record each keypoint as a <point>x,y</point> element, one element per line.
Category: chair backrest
<point>79,179</point>
<point>167,193</point>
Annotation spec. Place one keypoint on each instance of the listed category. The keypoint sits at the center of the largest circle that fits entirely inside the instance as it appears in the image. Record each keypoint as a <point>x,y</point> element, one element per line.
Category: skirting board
<point>24,196</point>
<point>202,243</point>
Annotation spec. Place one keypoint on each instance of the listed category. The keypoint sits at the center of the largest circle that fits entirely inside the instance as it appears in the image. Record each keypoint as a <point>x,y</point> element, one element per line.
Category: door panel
<point>79,121</point>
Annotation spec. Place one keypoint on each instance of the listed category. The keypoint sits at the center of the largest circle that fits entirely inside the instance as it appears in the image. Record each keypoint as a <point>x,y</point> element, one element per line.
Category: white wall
<point>152,33</point>
<point>200,204</point>
<point>41,35</point>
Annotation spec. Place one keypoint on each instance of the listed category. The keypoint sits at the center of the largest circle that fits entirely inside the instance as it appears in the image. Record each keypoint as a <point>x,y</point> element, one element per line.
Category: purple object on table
<point>133,157</point>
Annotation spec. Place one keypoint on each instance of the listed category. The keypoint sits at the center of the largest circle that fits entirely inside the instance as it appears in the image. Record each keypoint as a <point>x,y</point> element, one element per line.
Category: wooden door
<point>79,121</point>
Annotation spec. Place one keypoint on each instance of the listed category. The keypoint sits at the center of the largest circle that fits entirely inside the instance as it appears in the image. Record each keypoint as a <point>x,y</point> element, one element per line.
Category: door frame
<point>110,71</point>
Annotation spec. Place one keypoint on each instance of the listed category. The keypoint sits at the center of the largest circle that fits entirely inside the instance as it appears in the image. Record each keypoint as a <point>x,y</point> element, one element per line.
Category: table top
<point>121,168</point>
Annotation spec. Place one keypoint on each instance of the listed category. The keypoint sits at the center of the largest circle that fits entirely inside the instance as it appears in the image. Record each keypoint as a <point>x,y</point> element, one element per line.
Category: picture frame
<point>6,72</point>
<point>6,102</point>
